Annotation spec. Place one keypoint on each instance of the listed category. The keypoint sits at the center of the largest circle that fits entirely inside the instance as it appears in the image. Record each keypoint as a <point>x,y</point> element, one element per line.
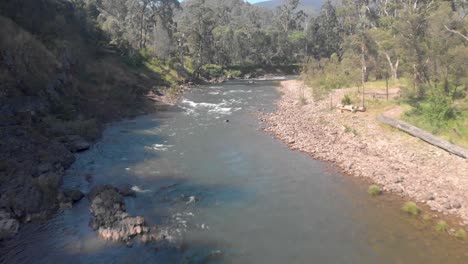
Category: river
<point>228,193</point>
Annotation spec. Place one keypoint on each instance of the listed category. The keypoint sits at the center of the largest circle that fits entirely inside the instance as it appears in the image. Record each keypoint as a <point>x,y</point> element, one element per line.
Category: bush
<point>374,190</point>
<point>213,70</point>
<point>411,208</point>
<point>438,110</point>
<point>233,73</point>
<point>441,226</point>
<point>346,100</point>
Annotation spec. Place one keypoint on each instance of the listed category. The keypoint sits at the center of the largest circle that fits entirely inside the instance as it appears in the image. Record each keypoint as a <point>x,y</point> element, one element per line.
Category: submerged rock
<point>110,219</point>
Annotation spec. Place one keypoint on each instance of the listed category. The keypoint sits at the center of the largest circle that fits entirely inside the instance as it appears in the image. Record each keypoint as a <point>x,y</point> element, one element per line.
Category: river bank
<point>357,144</point>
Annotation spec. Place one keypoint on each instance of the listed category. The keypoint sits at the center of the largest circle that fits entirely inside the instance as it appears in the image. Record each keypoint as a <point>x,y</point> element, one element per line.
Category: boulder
<point>109,217</point>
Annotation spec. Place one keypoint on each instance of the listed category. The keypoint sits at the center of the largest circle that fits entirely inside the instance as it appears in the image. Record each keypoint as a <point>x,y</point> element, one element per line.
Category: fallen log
<point>423,135</point>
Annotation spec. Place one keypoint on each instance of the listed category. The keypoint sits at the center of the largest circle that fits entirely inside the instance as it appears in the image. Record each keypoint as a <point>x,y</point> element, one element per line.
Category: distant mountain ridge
<point>306,5</point>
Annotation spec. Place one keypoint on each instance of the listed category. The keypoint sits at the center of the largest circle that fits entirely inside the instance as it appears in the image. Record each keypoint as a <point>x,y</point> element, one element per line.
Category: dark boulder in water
<point>110,219</point>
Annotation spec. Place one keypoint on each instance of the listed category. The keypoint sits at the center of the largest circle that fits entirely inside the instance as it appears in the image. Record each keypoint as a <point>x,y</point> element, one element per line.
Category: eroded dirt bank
<point>361,147</point>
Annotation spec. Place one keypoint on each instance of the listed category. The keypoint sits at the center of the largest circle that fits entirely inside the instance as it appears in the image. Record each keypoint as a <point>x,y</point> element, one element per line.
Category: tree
<point>324,34</point>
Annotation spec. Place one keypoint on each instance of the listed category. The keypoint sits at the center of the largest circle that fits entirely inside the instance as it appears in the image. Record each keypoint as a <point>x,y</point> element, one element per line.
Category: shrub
<point>460,234</point>
<point>441,226</point>
<point>411,208</point>
<point>438,110</point>
<point>374,190</point>
<point>233,73</point>
<point>213,70</point>
<point>346,100</point>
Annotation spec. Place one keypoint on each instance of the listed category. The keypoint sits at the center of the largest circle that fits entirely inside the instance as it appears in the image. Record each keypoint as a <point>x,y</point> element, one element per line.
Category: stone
<point>429,197</point>
<point>455,205</point>
<point>109,218</point>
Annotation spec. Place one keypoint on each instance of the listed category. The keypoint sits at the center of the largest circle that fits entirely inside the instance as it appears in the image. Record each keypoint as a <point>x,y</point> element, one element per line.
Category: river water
<point>228,193</point>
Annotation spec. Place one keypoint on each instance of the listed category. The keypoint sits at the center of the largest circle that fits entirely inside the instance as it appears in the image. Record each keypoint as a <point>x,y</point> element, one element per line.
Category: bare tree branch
<point>456,32</point>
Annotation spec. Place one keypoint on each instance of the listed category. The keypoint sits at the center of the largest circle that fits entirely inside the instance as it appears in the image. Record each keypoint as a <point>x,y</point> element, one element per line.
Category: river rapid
<point>226,192</point>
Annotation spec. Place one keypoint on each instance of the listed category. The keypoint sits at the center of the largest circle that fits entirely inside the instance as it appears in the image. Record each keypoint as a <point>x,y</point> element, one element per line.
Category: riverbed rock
<point>428,197</point>
<point>109,216</point>
<point>8,225</point>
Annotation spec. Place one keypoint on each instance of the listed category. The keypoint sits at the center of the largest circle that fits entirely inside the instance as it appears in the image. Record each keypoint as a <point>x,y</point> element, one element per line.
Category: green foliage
<point>233,73</point>
<point>460,234</point>
<point>411,208</point>
<point>346,100</point>
<point>374,190</point>
<point>441,226</point>
<point>437,113</point>
<point>438,110</point>
<point>213,70</point>
<point>325,75</point>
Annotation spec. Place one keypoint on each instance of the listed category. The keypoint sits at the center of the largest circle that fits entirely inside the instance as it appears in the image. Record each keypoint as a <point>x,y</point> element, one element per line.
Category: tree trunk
<point>393,67</point>
<point>425,136</point>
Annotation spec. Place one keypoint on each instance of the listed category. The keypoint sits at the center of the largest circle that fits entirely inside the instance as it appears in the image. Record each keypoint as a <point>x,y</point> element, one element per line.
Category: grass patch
<point>441,226</point>
<point>411,208</point>
<point>460,234</point>
<point>374,190</point>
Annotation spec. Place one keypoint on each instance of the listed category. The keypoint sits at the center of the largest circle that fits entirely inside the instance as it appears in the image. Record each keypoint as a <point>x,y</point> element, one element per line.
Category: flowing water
<point>228,193</point>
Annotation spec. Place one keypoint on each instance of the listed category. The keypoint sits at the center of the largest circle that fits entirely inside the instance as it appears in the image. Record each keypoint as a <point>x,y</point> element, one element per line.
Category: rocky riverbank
<point>361,147</point>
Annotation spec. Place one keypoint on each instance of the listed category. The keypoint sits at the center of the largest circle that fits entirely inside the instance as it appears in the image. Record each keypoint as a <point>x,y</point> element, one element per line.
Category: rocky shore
<point>361,147</point>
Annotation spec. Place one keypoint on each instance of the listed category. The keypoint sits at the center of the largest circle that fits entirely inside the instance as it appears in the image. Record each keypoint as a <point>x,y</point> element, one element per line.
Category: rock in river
<point>109,217</point>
